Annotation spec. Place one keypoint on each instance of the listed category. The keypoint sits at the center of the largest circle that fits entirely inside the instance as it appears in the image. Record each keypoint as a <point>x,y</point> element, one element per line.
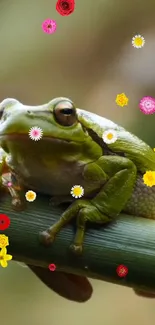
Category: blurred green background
<point>89,59</point>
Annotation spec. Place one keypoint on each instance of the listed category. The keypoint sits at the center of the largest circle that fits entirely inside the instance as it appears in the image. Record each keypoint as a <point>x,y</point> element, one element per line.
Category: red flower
<point>4,221</point>
<point>122,271</point>
<point>65,7</point>
<point>52,267</point>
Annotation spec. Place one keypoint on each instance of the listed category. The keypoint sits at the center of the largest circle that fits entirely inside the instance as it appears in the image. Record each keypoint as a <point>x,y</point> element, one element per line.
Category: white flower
<point>109,136</point>
<point>138,41</point>
<point>35,133</point>
<point>77,191</point>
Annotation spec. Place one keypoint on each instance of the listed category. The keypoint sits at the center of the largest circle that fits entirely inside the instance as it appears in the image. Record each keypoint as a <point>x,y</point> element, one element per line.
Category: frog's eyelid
<point>7,106</point>
<point>7,103</point>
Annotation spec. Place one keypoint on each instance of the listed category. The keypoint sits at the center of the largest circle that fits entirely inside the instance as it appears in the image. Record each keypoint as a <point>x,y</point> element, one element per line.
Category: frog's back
<point>128,144</point>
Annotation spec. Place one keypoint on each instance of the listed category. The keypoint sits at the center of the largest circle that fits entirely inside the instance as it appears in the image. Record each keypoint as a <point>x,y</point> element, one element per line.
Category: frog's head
<point>57,119</point>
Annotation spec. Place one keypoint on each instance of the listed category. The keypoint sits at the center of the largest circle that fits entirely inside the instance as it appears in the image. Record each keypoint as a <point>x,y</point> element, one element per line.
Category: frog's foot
<point>18,204</point>
<point>76,249</point>
<point>46,237</point>
<point>58,200</point>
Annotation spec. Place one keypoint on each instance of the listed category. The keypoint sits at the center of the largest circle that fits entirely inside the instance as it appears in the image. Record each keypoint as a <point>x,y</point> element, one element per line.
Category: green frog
<point>72,151</point>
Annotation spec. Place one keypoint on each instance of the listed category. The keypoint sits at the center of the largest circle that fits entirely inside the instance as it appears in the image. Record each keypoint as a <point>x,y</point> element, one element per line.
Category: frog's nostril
<point>30,113</point>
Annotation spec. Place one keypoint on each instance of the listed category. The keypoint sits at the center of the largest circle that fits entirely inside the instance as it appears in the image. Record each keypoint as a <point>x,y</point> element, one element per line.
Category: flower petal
<point>4,263</point>
<point>3,251</point>
<point>8,257</point>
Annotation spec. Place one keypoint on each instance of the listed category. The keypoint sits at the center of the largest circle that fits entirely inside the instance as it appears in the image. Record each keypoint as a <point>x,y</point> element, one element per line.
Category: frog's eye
<point>65,113</point>
<point>6,103</point>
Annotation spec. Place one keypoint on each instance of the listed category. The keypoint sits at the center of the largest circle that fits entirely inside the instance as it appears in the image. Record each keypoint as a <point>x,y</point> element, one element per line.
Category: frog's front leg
<point>7,180</point>
<point>3,169</point>
<point>15,190</point>
<point>105,206</point>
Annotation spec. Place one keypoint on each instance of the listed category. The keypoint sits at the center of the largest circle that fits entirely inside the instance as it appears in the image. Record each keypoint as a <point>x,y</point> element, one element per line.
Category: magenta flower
<point>147,105</point>
<point>49,26</point>
<point>52,267</point>
<point>35,133</point>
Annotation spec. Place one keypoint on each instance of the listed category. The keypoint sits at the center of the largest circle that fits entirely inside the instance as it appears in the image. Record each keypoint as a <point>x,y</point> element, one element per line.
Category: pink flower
<point>147,105</point>
<point>52,267</point>
<point>49,26</point>
<point>35,133</point>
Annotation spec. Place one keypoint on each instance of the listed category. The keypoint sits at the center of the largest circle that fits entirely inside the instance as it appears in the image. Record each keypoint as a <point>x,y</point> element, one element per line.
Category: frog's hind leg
<point>105,206</point>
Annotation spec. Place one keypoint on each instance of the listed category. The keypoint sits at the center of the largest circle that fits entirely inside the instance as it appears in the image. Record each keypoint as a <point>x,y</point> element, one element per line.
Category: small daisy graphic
<point>138,41</point>
<point>9,184</point>
<point>109,136</point>
<point>30,196</point>
<point>4,241</point>
<point>35,133</point>
<point>122,100</point>
<point>147,105</point>
<point>4,221</point>
<point>77,191</point>
<point>65,7</point>
<point>49,26</point>
<point>4,257</point>
<point>52,267</point>
<point>149,178</point>
<point>122,271</point>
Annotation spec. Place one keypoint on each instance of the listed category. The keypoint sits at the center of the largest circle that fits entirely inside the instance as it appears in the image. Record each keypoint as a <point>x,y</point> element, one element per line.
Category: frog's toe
<point>76,249</point>
<point>46,238</point>
<point>17,204</point>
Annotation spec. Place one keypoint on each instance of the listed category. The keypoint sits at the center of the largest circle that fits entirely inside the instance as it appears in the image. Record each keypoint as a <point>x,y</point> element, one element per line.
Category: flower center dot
<point>65,5</point>
<point>110,136</point>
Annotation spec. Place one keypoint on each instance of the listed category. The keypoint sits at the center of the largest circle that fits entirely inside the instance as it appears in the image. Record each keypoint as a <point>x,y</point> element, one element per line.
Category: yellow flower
<point>77,191</point>
<point>149,178</point>
<point>3,241</point>
<point>138,41</point>
<point>4,257</point>
<point>30,196</point>
<point>122,100</point>
<point>154,149</point>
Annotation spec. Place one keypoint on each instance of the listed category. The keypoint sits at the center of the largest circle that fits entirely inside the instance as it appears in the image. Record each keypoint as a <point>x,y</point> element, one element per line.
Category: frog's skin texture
<point>72,152</point>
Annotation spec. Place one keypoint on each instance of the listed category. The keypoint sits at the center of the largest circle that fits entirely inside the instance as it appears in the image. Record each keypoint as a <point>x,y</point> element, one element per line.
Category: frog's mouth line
<point>15,136</point>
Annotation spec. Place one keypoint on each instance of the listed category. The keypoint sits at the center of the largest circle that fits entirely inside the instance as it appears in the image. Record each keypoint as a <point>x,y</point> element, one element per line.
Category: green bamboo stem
<point>128,240</point>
